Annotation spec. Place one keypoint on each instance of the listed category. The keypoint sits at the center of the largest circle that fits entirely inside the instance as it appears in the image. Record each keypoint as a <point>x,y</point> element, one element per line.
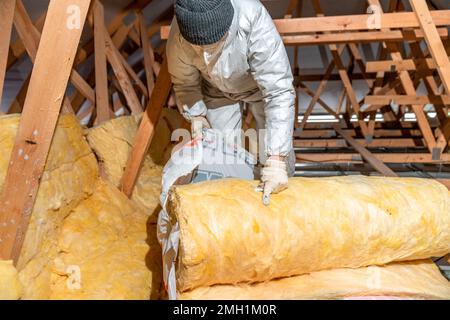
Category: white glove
<point>197,125</point>
<point>197,110</point>
<point>274,179</point>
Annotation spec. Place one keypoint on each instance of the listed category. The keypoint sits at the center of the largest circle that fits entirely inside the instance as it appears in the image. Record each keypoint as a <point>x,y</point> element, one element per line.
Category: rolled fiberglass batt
<point>10,287</point>
<point>85,239</point>
<point>112,142</point>
<point>228,236</point>
<point>405,280</point>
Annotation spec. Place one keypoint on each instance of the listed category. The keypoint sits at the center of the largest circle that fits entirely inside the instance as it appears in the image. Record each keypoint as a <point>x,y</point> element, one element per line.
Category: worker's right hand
<point>197,125</point>
<point>274,178</point>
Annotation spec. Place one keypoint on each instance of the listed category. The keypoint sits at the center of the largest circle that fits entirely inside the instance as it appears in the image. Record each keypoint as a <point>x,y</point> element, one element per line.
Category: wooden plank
<point>113,26</point>
<point>404,65</point>
<point>384,157</point>
<point>121,35</point>
<point>6,22</point>
<point>407,99</point>
<point>330,133</point>
<point>433,40</point>
<point>149,58</point>
<point>366,154</point>
<point>319,90</point>
<point>115,60</point>
<point>37,124</point>
<point>26,30</point>
<point>146,129</point>
<point>31,36</point>
<point>322,103</point>
<point>101,80</point>
<point>17,47</point>
<point>357,22</point>
<point>342,70</point>
<point>409,88</point>
<point>376,143</point>
<point>134,76</point>
<point>356,37</point>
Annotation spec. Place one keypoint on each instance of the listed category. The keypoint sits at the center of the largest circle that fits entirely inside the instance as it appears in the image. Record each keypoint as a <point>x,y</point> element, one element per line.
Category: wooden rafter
<point>37,124</point>
<point>145,132</point>
<point>6,20</point>
<point>101,81</point>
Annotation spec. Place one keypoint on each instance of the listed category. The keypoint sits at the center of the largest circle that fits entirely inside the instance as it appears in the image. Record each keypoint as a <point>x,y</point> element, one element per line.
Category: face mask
<point>210,52</point>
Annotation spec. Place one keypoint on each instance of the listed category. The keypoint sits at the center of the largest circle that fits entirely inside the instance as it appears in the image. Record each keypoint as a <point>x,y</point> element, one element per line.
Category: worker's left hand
<point>274,178</point>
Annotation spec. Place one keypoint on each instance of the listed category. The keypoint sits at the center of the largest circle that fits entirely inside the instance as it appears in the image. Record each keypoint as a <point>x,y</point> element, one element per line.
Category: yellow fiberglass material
<point>112,142</point>
<point>405,280</point>
<point>228,236</point>
<point>69,177</point>
<point>10,287</point>
<point>107,250</point>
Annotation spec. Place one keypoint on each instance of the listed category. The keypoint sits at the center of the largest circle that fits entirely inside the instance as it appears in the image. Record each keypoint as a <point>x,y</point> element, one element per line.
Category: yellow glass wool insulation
<point>112,143</point>
<point>405,280</point>
<point>10,287</point>
<point>113,250</point>
<point>69,177</point>
<point>228,236</point>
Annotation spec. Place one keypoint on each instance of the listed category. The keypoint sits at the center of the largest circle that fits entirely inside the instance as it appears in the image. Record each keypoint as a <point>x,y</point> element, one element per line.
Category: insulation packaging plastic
<point>227,236</point>
<point>400,280</point>
<point>208,158</point>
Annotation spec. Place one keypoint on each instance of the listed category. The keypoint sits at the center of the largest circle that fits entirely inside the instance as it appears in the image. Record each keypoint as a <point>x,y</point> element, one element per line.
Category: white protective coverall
<point>249,65</point>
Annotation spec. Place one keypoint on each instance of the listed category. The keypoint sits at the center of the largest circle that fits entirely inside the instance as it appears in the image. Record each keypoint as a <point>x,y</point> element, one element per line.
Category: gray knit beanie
<point>204,22</point>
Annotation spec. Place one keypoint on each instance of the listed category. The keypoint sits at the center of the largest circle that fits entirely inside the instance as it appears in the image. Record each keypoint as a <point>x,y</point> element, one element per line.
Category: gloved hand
<point>197,125</point>
<point>274,178</point>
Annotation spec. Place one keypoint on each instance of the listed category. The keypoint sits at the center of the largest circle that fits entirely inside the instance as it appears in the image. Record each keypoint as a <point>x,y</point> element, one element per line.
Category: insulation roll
<point>10,287</point>
<point>228,236</point>
<point>399,280</point>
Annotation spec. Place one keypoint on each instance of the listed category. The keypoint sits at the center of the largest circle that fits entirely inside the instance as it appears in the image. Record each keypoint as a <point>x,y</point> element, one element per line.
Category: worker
<point>222,53</point>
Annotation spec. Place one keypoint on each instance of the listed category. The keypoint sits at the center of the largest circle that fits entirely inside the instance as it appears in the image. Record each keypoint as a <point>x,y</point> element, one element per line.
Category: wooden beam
<point>320,89</point>
<point>145,132</point>
<point>375,143</point>
<point>121,35</point>
<point>407,100</point>
<point>409,88</point>
<point>37,124</point>
<point>114,58</point>
<point>386,133</point>
<point>101,80</point>
<point>31,37</point>
<point>384,157</point>
<point>149,58</point>
<point>433,40</point>
<point>134,76</point>
<point>6,21</point>
<point>17,47</point>
<point>356,37</point>
<point>404,65</point>
<point>398,20</point>
<point>376,163</point>
<point>357,22</point>
<point>342,70</point>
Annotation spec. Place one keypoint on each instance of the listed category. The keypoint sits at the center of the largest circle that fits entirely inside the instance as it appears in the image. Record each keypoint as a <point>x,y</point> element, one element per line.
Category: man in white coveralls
<point>224,52</point>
